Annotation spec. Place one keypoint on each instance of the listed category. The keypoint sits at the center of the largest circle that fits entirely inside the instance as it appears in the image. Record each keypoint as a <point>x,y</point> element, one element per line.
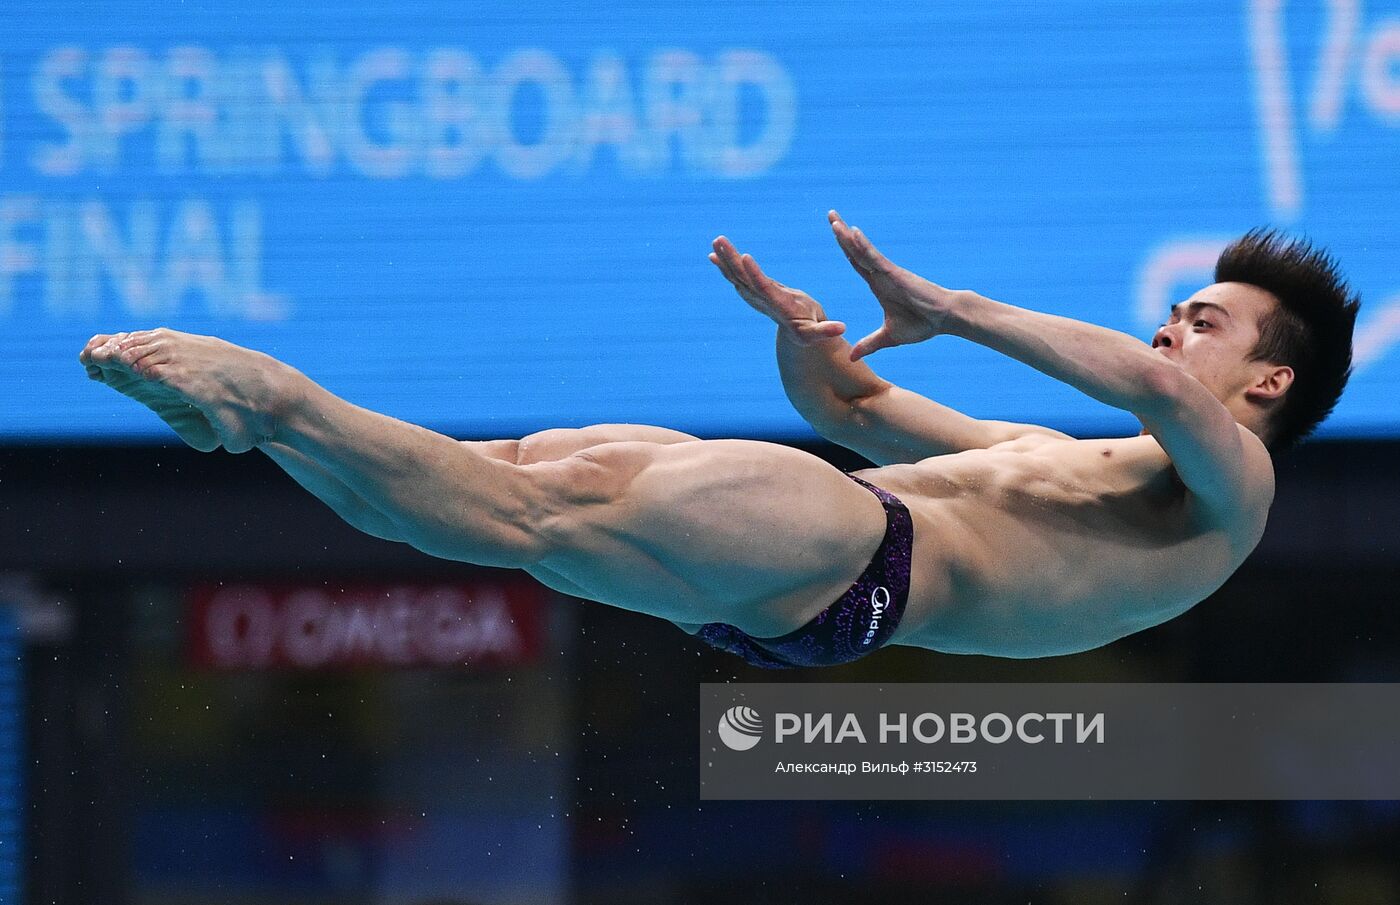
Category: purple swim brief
<point>861,621</point>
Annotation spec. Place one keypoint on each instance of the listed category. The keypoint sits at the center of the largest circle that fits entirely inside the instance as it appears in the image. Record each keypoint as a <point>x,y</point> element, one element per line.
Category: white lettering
<point>129,263</point>
<point>386,114</point>
<point>1094,727</point>
<point>850,728</point>
<point>245,293</point>
<point>121,98</point>
<point>152,260</point>
<point>307,123</point>
<point>924,736</point>
<point>998,738</point>
<point>820,728</point>
<point>17,257</point>
<point>391,158</point>
<point>194,258</point>
<point>675,93</point>
<point>1024,735</point>
<point>533,160</point>
<point>1273,107</point>
<point>608,115</point>
<point>995,728</point>
<point>761,72</point>
<point>1332,61</point>
<point>1338,58</point>
<point>1380,78</point>
<point>189,116</point>
<point>879,599</point>
<point>453,128</point>
<point>56,68</point>
<point>1373,339</point>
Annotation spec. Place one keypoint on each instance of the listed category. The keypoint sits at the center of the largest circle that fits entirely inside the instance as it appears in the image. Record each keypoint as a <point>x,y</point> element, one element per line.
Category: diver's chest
<point>1087,473</point>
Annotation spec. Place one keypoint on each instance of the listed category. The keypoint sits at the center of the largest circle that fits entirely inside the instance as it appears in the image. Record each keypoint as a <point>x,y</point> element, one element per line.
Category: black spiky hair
<point>1310,330</point>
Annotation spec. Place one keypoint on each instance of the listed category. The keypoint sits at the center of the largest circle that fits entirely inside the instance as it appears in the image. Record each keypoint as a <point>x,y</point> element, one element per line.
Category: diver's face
<point>1212,334</point>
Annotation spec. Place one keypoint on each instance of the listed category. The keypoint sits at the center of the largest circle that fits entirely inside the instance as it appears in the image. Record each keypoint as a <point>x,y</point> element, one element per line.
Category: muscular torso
<point>1042,546</point>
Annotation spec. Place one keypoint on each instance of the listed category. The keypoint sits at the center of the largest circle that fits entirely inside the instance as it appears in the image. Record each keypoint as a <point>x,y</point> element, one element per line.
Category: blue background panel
<point>492,219</point>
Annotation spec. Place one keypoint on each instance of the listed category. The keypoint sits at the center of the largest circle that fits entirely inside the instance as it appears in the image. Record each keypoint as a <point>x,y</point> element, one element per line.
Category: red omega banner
<point>333,626</point>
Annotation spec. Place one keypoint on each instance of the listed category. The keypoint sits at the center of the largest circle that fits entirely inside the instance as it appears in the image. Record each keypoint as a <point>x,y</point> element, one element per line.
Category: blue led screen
<point>493,218</point>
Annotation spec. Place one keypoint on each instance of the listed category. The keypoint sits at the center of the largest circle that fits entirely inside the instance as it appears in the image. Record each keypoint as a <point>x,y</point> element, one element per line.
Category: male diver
<point>969,536</point>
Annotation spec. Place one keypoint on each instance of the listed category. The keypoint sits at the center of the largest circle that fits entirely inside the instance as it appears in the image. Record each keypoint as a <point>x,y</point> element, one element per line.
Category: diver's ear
<point>1271,383</point>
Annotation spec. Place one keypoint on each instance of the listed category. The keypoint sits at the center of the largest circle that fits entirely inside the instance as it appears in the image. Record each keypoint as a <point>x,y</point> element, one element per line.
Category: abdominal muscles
<point>1057,553</point>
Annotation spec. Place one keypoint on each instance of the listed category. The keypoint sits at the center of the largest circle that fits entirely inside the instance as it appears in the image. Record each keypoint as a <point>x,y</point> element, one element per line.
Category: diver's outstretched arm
<point>844,400</point>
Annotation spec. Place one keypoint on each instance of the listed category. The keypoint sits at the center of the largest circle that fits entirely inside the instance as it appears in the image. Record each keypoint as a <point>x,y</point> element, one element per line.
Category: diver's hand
<point>915,308</point>
<point>801,318</point>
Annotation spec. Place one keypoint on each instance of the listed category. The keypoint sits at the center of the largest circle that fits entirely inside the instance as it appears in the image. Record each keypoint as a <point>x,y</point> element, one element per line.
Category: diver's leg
<point>696,531</point>
<point>190,425</point>
<point>691,531</point>
<point>439,495</point>
<point>332,491</point>
<point>758,535</point>
<point>556,443</point>
<point>542,446</point>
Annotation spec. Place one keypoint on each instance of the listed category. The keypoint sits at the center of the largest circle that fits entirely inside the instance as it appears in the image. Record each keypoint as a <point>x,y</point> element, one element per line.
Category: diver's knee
<point>582,492</point>
<point>503,450</point>
<point>537,447</point>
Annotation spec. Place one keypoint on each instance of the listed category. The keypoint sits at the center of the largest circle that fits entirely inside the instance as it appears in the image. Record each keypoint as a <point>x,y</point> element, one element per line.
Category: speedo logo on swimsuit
<point>879,600</point>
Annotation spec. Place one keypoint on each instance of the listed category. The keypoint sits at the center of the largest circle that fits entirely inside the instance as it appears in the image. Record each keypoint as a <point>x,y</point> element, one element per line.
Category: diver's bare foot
<point>211,392</point>
<point>186,420</point>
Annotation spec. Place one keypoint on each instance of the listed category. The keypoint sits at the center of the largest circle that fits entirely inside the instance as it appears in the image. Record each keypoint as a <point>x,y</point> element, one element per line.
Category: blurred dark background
<point>567,772</point>
<point>492,218</point>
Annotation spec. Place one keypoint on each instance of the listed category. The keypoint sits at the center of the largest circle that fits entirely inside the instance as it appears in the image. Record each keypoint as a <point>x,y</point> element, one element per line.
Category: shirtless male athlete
<point>970,537</point>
